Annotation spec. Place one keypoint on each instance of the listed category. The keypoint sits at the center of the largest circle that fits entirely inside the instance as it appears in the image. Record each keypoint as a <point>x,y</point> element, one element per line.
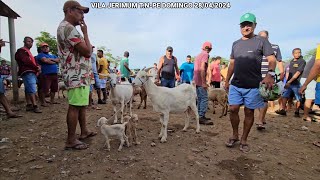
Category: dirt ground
<point>35,149</point>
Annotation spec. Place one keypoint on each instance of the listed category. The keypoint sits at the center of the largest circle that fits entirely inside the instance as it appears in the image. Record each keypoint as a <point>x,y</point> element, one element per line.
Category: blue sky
<point>146,33</point>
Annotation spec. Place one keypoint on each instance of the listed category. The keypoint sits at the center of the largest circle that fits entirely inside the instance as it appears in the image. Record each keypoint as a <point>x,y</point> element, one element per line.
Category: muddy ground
<point>35,149</point>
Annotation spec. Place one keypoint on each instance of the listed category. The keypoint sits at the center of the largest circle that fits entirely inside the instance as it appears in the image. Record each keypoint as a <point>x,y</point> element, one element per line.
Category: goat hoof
<point>198,131</point>
<point>108,150</point>
<point>145,108</point>
<point>163,140</point>
<point>137,143</point>
<point>184,129</point>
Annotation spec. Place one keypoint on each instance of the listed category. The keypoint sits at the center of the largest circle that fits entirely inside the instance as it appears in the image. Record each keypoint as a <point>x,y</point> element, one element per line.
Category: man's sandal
<point>231,142</point>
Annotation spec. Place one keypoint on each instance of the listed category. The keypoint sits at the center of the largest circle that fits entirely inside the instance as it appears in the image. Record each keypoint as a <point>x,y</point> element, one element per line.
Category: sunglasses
<point>244,24</point>
<point>169,50</point>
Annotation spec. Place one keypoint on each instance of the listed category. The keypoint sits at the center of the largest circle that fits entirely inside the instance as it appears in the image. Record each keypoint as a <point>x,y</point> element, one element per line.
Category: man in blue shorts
<point>245,65</point>
<point>3,98</point>
<point>28,70</point>
<point>296,68</point>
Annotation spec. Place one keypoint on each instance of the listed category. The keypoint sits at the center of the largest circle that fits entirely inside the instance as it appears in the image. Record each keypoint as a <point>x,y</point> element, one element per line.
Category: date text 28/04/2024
<point>159,5</point>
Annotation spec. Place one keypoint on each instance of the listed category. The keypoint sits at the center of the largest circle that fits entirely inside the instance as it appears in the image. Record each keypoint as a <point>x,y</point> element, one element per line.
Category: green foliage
<point>310,53</point>
<point>49,39</point>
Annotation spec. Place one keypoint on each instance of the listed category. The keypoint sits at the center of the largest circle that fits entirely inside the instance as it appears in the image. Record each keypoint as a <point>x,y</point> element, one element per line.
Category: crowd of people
<point>252,63</point>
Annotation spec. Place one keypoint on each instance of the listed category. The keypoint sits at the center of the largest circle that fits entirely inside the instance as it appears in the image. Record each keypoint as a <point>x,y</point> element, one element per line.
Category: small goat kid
<point>131,128</point>
<point>120,94</point>
<point>117,130</point>
<point>167,100</point>
<point>143,95</point>
<point>219,95</point>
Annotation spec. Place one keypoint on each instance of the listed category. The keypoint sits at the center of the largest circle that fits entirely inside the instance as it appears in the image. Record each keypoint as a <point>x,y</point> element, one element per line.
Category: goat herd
<point>164,101</point>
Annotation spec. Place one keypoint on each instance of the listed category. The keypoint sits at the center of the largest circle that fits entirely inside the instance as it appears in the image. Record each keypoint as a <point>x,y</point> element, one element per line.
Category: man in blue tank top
<point>168,68</point>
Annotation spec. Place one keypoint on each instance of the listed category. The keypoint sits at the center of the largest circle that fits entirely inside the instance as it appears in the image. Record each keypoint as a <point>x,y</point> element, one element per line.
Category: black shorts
<point>215,84</point>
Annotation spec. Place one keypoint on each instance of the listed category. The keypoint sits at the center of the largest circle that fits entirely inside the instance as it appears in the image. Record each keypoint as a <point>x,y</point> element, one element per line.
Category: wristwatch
<point>271,72</point>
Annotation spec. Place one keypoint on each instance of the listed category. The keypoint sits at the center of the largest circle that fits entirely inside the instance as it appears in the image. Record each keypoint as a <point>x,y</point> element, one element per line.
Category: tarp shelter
<point>6,11</point>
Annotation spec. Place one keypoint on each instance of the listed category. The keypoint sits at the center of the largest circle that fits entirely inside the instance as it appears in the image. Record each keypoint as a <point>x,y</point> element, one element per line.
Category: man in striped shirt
<point>264,71</point>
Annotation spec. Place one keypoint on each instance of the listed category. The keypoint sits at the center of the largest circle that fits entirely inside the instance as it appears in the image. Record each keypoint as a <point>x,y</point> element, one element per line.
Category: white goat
<point>117,130</point>
<point>120,94</point>
<point>166,100</point>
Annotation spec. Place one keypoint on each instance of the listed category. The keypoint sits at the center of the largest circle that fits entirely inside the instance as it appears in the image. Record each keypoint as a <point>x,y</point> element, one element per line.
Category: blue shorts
<point>30,83</point>
<point>169,83</point>
<point>103,83</point>
<point>292,89</point>
<point>317,100</point>
<point>96,81</point>
<point>2,88</point>
<point>250,98</point>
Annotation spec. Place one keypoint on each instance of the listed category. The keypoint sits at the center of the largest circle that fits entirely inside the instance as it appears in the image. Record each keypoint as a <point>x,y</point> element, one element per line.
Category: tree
<point>310,53</point>
<point>49,39</point>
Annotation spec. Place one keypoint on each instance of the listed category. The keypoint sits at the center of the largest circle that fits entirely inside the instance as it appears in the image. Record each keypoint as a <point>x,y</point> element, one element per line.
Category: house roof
<point>6,11</point>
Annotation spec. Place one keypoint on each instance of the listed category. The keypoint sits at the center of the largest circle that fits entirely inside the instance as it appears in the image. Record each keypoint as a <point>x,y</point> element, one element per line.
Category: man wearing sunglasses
<point>75,52</point>
<point>245,65</point>
<point>168,68</point>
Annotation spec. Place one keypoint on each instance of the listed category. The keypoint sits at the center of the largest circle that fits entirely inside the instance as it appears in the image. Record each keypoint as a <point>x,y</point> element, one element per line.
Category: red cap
<point>44,44</point>
<point>207,44</point>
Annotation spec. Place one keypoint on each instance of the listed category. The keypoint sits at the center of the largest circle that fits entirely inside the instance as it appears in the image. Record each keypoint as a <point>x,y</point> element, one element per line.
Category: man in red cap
<point>200,74</point>
<point>49,72</point>
<point>75,52</point>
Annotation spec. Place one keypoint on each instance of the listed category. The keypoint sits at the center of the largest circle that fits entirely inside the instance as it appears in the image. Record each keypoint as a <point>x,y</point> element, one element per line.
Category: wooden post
<point>14,69</point>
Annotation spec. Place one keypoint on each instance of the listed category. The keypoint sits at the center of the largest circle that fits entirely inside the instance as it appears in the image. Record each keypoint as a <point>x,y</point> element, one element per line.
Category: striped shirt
<point>265,63</point>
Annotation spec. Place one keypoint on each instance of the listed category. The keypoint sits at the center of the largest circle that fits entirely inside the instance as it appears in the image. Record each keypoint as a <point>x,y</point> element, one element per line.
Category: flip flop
<point>91,134</point>
<point>96,108</point>
<point>14,116</point>
<point>231,142</point>
<point>317,143</point>
<point>312,120</point>
<point>244,148</point>
<point>80,146</point>
<point>260,127</point>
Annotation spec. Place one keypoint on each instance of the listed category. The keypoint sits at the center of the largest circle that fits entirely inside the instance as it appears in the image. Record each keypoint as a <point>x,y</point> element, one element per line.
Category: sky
<point>146,33</point>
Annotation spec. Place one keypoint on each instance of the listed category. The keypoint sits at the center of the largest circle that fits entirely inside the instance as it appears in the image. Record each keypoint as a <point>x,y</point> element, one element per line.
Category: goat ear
<point>143,68</point>
<point>147,70</point>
